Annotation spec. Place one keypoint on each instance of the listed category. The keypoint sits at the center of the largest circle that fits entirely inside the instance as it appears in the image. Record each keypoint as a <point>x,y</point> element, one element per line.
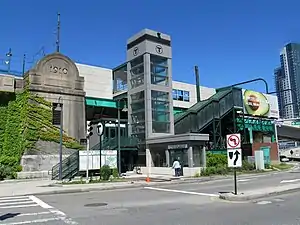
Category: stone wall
<point>44,157</point>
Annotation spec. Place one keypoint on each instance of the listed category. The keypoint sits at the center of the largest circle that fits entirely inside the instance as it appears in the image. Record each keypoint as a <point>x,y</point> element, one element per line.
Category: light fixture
<point>58,107</point>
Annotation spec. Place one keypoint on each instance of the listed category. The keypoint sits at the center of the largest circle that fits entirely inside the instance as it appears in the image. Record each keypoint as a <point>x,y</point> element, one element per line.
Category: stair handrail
<point>55,168</point>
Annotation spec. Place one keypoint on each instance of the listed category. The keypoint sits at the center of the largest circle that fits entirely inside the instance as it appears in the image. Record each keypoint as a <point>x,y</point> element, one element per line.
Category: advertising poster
<point>259,104</point>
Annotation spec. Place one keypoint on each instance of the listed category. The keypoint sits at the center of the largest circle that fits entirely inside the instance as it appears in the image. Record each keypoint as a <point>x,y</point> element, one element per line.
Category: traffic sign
<point>234,157</point>
<point>100,129</point>
<point>233,141</point>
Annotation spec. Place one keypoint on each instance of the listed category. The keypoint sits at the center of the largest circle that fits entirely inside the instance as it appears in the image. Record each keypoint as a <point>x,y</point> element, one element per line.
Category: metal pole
<point>60,142</point>
<point>23,66</point>
<point>197,84</point>
<point>276,139</point>
<point>234,169</point>
<point>250,81</point>
<point>58,33</point>
<point>235,181</point>
<point>87,159</point>
<point>9,55</point>
<point>119,139</point>
<point>100,153</point>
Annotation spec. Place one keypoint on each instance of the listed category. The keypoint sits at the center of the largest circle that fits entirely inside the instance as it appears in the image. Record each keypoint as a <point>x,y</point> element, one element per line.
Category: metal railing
<point>70,167</point>
<point>128,142</point>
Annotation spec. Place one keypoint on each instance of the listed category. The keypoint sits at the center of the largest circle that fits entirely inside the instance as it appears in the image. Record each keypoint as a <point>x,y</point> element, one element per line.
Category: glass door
<point>181,155</point>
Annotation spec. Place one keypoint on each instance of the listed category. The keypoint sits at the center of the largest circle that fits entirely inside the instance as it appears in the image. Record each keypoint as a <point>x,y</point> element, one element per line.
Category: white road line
<point>35,221</point>
<point>15,200</point>
<point>244,180</point>
<point>14,203</point>
<point>182,192</point>
<point>12,197</point>
<point>18,206</point>
<point>33,214</point>
<point>40,202</point>
<point>289,181</point>
<point>60,214</point>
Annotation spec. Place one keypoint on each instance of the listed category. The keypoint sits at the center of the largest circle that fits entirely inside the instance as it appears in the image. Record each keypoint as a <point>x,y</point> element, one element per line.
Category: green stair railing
<point>125,143</point>
<point>70,167</point>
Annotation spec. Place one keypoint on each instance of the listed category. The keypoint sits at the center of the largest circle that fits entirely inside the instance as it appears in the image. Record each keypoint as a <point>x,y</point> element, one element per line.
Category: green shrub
<point>208,171</point>
<point>6,172</point>
<point>115,172</point>
<point>105,172</point>
<point>197,174</point>
<point>216,160</point>
<point>247,166</point>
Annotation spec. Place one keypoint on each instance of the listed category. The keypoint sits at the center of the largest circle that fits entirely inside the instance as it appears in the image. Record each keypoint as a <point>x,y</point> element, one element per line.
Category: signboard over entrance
<point>178,146</point>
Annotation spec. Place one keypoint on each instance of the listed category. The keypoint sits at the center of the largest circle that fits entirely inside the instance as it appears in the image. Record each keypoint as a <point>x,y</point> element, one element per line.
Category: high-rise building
<point>287,81</point>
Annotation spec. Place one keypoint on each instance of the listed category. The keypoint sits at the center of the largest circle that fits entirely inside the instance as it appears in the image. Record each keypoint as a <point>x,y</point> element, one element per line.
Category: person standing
<point>176,166</point>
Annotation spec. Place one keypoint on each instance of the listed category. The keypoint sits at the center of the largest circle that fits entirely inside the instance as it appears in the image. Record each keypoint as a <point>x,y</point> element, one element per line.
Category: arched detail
<point>57,63</point>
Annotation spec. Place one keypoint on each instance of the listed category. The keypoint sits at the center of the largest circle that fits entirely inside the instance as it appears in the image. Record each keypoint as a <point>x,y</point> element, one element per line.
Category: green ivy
<point>23,122</point>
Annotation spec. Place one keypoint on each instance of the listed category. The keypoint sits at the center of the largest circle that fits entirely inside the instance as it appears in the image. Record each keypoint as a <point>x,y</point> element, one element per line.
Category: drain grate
<point>96,204</point>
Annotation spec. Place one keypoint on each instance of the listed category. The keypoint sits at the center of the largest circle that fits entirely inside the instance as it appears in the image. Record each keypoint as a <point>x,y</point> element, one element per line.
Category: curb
<point>232,197</point>
<point>119,187</point>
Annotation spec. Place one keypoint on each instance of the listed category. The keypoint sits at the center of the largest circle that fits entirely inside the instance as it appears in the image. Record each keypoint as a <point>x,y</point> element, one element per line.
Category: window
<point>137,72</point>
<point>181,95</point>
<point>160,112</point>
<point>186,96</point>
<point>159,70</point>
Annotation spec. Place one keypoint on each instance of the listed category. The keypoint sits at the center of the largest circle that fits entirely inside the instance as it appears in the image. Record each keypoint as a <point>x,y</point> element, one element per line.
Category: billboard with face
<point>259,104</point>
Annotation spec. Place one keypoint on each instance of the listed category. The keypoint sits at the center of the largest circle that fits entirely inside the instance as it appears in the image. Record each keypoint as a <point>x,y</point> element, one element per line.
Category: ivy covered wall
<point>25,119</point>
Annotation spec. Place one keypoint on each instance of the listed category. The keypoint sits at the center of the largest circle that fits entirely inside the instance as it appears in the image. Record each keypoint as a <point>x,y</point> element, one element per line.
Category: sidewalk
<point>38,187</point>
<point>261,193</point>
<point>47,187</point>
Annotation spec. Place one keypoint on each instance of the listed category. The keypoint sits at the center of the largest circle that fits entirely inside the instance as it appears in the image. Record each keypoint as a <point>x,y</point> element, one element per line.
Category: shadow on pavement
<point>8,216</point>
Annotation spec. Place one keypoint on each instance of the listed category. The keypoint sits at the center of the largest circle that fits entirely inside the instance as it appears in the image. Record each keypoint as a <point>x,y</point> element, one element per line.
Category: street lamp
<point>119,130</point>
<point>59,109</point>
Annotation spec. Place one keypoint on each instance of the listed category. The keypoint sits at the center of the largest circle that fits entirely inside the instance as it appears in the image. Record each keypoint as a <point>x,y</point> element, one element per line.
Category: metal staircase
<point>70,167</point>
<point>126,143</point>
<point>206,115</point>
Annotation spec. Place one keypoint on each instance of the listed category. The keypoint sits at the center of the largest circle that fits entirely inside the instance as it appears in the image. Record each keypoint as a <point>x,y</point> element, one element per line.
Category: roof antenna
<point>58,33</point>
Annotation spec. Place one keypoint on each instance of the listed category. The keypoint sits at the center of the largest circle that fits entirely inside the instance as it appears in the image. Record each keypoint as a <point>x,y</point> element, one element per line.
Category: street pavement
<point>142,206</point>
<point>16,210</point>
<point>172,204</point>
<point>245,183</point>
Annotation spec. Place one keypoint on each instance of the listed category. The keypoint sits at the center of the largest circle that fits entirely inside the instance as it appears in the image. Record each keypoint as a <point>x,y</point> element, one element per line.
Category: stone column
<point>167,157</point>
<point>190,157</point>
<point>203,157</point>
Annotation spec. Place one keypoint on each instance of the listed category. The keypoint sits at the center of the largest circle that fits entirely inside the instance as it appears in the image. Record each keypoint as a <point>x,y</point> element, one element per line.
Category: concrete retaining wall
<point>187,171</point>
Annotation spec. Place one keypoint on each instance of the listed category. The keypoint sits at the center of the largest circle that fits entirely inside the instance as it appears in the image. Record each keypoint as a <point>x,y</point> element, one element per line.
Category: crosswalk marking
<point>18,206</point>
<point>14,203</point>
<point>15,200</point>
<point>12,197</point>
<point>34,221</point>
<point>34,214</point>
<point>49,215</point>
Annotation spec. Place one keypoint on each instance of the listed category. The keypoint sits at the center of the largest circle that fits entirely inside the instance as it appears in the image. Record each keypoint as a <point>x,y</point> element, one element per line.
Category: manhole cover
<point>96,204</point>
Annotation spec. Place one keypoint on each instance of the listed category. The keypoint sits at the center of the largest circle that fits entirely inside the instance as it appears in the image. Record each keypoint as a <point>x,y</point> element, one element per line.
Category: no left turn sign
<point>233,141</point>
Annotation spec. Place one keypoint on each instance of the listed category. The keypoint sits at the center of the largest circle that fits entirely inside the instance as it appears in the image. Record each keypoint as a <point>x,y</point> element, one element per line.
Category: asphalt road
<point>141,206</point>
<point>177,204</point>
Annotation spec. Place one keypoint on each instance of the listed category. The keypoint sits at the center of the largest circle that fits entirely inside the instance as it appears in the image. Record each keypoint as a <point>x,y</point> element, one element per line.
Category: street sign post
<point>234,155</point>
<point>100,131</point>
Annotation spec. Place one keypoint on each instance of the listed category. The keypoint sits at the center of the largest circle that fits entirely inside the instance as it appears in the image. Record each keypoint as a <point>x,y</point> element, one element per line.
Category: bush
<point>247,166</point>
<point>6,172</point>
<point>115,173</point>
<point>209,171</point>
<point>216,160</point>
<point>105,172</point>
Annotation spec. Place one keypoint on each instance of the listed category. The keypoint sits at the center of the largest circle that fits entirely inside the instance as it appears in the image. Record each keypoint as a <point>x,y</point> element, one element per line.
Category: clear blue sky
<point>230,41</point>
